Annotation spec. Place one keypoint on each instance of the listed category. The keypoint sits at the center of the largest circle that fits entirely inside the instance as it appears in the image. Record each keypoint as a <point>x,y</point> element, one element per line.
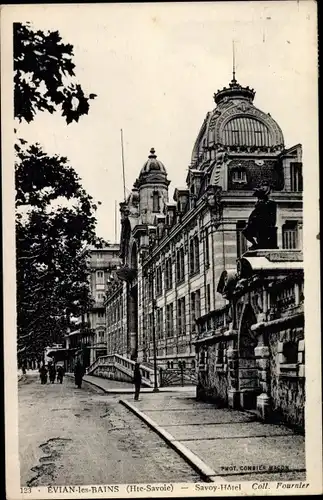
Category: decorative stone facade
<point>262,351</point>
<point>173,254</point>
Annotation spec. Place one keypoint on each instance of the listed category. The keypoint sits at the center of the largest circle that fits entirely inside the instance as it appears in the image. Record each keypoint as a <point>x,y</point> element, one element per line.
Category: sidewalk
<point>224,444</point>
<point>116,387</point>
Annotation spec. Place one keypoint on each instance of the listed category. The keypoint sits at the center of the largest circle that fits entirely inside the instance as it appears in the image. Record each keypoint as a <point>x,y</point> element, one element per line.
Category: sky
<point>155,68</point>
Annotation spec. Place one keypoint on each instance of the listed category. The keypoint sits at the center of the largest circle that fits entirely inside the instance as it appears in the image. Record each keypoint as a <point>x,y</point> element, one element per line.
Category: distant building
<point>103,261</point>
<point>87,338</point>
<point>174,253</point>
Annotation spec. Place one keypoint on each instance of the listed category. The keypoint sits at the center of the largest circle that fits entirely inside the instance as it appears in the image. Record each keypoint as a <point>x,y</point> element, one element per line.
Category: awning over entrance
<point>61,354</point>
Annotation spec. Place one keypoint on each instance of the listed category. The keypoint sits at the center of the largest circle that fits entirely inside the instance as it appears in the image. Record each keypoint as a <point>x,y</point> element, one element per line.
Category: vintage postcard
<point>160,195</point>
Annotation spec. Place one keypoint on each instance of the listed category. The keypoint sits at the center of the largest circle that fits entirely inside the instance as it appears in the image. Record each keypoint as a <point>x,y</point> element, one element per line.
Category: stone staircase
<point>117,367</point>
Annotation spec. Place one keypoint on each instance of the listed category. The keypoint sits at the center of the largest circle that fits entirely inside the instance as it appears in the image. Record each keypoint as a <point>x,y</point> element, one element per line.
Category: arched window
<point>246,131</point>
<point>156,201</point>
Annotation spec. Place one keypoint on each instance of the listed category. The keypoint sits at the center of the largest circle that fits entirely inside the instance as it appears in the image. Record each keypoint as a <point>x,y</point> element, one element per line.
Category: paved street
<point>83,436</point>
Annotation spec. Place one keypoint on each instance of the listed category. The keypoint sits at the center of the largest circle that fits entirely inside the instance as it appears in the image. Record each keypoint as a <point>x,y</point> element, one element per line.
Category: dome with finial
<point>234,91</point>
<point>236,125</point>
<point>153,164</point>
<point>153,171</point>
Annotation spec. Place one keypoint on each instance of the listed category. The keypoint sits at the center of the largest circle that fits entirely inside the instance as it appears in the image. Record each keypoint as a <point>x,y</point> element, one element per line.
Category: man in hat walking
<point>137,380</point>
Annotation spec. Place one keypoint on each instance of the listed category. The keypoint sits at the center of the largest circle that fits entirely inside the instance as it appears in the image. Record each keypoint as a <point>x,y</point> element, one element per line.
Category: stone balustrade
<point>118,367</point>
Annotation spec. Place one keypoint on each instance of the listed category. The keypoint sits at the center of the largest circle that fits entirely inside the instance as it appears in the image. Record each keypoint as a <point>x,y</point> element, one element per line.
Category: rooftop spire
<point>152,153</point>
<point>233,64</point>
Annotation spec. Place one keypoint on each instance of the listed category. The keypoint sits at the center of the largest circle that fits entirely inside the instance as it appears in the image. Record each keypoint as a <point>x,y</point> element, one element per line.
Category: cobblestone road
<point>70,436</point>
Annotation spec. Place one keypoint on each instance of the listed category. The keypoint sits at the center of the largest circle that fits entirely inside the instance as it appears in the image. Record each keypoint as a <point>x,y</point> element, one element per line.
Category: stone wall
<point>111,373</point>
<point>213,383</point>
<point>285,380</point>
<point>287,376</point>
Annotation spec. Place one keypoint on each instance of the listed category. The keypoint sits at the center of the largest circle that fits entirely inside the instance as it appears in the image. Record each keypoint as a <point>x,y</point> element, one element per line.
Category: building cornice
<point>247,196</point>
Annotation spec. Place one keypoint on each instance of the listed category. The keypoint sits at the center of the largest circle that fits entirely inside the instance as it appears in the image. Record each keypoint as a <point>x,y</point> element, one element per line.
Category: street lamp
<point>154,334</point>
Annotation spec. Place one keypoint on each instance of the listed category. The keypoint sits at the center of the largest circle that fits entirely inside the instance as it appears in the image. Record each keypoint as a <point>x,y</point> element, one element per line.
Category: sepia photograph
<point>161,249</point>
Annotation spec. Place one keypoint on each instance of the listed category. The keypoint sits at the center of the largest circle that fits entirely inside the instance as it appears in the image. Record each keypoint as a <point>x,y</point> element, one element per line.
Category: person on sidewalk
<point>60,374</point>
<point>79,374</point>
<point>137,380</point>
<point>52,372</point>
<point>43,374</point>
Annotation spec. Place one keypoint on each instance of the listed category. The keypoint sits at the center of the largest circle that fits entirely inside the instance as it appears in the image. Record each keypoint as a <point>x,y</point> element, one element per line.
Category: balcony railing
<point>287,299</point>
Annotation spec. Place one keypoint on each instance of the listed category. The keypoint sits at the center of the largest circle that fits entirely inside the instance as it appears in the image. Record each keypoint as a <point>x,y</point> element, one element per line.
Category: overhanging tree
<point>54,224</point>
<point>44,78</point>
<point>55,217</point>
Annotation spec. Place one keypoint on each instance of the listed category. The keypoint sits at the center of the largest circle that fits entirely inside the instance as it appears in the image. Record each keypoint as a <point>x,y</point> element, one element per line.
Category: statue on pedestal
<point>261,228</point>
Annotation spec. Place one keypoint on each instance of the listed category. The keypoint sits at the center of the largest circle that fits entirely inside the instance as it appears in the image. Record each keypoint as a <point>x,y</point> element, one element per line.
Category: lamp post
<point>154,334</point>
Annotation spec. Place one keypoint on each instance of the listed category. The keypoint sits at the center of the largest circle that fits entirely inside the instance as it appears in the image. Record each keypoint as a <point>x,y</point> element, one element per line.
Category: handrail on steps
<point>126,363</point>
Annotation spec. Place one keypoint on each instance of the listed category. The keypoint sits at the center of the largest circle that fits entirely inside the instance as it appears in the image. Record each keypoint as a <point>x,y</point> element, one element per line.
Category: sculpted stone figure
<point>261,228</point>
<point>220,156</point>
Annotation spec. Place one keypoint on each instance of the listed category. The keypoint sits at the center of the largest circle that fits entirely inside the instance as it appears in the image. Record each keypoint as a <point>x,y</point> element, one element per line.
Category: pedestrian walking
<point>60,374</point>
<point>79,374</point>
<point>43,374</point>
<point>52,373</point>
<point>137,380</point>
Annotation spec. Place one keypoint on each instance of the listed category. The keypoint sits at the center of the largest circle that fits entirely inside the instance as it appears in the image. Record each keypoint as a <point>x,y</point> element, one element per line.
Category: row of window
<point>195,312</point>
<point>115,312</point>
<point>289,241</point>
<point>194,265</point>
<point>116,341</point>
<point>102,255</point>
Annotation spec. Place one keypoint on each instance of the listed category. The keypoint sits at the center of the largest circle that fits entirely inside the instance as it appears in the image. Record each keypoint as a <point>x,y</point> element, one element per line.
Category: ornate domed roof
<point>237,125</point>
<point>153,164</point>
<point>153,171</point>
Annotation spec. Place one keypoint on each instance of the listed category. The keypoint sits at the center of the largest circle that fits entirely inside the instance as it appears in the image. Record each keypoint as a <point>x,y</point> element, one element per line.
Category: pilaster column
<point>233,370</point>
<point>263,364</point>
<point>300,235</point>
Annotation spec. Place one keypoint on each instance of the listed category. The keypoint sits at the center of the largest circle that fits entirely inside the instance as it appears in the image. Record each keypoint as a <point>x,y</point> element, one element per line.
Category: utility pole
<point>123,169</point>
<point>115,221</point>
<point>154,334</point>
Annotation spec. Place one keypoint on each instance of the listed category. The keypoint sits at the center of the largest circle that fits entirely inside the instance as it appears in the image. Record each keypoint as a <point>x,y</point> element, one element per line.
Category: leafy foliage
<point>54,224</point>
<point>55,217</point>
<point>44,78</point>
